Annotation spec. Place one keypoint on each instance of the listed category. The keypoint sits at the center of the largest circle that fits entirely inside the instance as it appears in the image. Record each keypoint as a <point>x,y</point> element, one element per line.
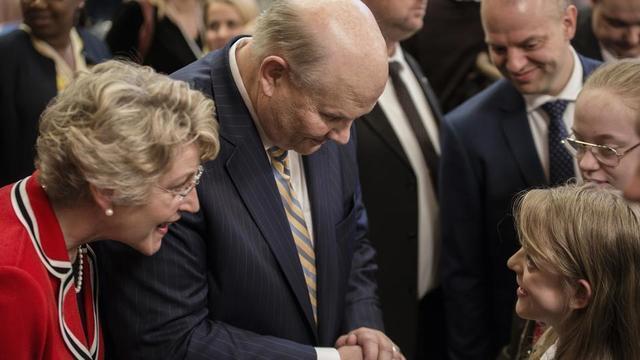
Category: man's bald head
<point>309,33</point>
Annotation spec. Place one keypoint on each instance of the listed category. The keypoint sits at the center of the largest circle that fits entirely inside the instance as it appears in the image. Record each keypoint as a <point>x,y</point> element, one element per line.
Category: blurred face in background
<point>398,19</point>
<point>50,20</point>
<point>616,24</point>
<point>223,21</point>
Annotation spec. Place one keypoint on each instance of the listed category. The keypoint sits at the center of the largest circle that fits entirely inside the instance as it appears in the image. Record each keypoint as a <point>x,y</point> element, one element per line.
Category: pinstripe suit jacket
<point>227,282</point>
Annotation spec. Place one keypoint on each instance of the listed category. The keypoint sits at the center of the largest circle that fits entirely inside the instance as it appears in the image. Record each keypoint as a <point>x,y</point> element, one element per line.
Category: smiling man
<point>502,141</point>
<point>276,265</point>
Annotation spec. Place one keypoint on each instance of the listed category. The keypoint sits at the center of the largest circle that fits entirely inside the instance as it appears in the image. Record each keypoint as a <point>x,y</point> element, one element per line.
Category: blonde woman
<point>225,19</point>
<point>577,271</point>
<point>119,155</point>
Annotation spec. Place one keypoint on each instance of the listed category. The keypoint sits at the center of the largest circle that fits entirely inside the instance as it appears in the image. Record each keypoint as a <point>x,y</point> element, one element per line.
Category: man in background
<point>609,30</point>
<point>398,151</point>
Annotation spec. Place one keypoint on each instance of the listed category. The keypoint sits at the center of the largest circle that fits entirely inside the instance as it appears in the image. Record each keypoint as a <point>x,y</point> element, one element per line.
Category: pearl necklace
<point>82,250</point>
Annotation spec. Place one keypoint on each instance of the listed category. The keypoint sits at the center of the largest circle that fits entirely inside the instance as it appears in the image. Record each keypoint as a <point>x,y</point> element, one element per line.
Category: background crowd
<point>337,179</point>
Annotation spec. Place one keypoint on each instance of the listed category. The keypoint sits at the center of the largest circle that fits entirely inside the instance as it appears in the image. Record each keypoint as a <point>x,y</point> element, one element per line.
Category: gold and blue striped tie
<point>280,164</point>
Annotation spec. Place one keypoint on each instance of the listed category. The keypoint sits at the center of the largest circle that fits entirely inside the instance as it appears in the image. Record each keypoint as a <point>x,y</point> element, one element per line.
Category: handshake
<point>367,344</point>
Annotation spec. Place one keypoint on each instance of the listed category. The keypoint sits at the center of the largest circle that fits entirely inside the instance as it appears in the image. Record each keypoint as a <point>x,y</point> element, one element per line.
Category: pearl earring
<point>109,212</point>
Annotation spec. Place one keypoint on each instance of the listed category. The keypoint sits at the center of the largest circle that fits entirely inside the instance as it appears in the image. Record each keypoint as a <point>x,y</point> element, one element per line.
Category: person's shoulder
<point>589,64</point>
<point>14,41</point>
<point>485,104</point>
<point>199,73</point>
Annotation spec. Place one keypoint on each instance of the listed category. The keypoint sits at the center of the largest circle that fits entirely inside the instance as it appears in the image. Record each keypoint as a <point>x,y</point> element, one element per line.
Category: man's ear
<point>582,295</point>
<point>102,197</point>
<point>273,70</point>
<point>569,21</point>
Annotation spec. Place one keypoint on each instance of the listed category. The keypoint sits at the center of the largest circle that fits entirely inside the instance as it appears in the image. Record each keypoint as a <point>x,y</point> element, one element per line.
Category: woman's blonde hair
<point>118,126</point>
<point>591,233</point>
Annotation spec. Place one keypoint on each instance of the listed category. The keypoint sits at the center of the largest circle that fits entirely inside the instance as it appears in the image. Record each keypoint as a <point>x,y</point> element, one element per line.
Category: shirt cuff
<point>327,353</point>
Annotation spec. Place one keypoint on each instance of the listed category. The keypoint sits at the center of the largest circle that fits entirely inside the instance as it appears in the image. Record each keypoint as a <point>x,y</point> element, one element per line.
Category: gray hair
<point>118,126</point>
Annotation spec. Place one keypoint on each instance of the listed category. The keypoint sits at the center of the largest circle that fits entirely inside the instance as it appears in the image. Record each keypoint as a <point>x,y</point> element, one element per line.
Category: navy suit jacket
<point>488,156</point>
<point>227,282</point>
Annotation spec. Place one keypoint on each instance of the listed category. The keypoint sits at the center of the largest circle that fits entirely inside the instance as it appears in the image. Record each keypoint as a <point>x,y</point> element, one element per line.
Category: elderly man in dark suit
<point>276,265</point>
<point>398,150</point>
<point>609,30</point>
<point>504,140</point>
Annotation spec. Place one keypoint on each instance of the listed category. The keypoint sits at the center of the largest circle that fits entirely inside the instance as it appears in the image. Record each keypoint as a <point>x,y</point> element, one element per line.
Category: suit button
<point>411,185</point>
<point>412,235</point>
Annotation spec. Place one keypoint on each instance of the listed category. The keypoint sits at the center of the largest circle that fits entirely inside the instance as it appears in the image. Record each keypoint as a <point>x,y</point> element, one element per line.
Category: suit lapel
<point>516,129</point>
<point>379,124</point>
<point>250,171</point>
<point>321,185</point>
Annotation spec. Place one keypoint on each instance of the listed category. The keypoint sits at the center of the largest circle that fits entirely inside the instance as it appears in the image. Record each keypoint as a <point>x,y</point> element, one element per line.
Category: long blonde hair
<point>591,233</point>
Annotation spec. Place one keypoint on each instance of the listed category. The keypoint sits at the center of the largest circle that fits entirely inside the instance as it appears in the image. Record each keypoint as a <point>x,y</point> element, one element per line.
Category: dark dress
<point>27,84</point>
<point>168,49</point>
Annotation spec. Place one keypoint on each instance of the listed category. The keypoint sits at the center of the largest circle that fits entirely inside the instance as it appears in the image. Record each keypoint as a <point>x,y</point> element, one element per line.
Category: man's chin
<point>308,147</point>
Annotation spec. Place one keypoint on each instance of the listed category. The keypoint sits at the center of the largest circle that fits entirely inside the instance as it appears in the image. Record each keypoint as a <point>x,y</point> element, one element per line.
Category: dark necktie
<point>411,112</point>
<point>560,161</point>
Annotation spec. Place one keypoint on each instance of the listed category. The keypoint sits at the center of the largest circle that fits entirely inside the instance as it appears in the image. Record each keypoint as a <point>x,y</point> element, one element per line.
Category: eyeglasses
<point>606,155</point>
<point>181,193</point>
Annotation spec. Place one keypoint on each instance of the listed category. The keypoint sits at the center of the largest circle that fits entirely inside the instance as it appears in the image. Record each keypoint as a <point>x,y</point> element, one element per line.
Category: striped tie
<point>280,164</point>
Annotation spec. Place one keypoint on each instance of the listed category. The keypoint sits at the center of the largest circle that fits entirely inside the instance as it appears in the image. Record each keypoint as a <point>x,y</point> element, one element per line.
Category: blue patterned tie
<point>560,161</point>
<point>306,252</point>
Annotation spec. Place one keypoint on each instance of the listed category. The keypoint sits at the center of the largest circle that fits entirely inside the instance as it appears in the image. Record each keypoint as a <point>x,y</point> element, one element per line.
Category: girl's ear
<point>581,296</point>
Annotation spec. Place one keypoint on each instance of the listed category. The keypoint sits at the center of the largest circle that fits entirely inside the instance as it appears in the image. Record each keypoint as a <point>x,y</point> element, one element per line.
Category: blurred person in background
<point>164,34</point>
<point>609,30</point>
<point>225,19</point>
<point>119,154</point>
<point>38,60</point>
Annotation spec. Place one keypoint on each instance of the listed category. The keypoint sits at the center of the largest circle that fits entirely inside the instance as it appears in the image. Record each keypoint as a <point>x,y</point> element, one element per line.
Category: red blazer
<point>38,306</point>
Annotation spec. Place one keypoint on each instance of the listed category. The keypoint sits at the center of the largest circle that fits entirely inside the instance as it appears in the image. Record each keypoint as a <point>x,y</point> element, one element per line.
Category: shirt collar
<point>398,56</point>
<point>569,92</point>
<point>237,79</point>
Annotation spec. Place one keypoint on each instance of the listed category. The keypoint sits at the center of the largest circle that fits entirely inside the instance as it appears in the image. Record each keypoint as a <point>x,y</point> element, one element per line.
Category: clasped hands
<point>367,344</point>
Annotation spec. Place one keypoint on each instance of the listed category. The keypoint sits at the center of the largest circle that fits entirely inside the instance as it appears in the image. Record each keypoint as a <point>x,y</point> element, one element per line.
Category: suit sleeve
<point>362,303</point>
<point>157,307</point>
<point>464,271</point>
<point>23,310</point>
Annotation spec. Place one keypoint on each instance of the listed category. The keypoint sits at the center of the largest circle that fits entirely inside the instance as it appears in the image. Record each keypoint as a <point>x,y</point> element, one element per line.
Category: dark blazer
<point>28,84</point>
<point>227,282</point>
<point>390,193</point>
<point>585,41</point>
<point>488,156</point>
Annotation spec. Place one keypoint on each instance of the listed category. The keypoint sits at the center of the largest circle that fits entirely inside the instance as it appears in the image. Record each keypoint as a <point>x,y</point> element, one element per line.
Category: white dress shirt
<point>539,120</point>
<point>296,167</point>
<point>428,223</point>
